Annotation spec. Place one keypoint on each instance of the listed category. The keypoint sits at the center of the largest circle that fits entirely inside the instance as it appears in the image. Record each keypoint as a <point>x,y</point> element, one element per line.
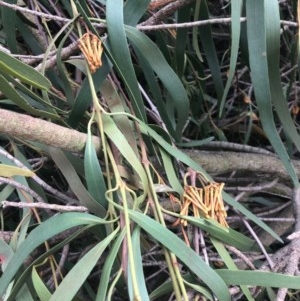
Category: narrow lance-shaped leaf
<point>259,278</point>
<point>11,93</point>
<point>121,55</point>
<point>25,73</point>
<point>40,234</point>
<point>10,171</point>
<point>255,10</point>
<point>134,10</point>
<point>235,39</point>
<point>72,283</point>
<point>188,256</point>
<point>273,33</point>
<point>166,74</point>
<point>93,173</point>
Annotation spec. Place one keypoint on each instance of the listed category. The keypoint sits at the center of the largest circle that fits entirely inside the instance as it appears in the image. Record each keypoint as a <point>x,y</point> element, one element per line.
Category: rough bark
<point>25,127</point>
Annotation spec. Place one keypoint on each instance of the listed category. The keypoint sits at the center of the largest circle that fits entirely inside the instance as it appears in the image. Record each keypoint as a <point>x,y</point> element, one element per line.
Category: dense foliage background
<point>149,150</point>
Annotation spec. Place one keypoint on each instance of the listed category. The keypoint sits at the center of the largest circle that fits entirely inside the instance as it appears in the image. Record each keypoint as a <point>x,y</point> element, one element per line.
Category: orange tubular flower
<point>92,49</point>
<point>205,201</point>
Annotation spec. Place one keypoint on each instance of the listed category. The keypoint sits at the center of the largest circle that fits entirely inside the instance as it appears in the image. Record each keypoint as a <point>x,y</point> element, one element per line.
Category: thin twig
<point>252,188</point>
<point>270,261</point>
<point>65,53</point>
<point>166,11</point>
<point>21,187</point>
<point>44,206</point>
<point>187,24</point>
<point>148,24</point>
<point>243,257</point>
<point>47,187</point>
<point>36,13</point>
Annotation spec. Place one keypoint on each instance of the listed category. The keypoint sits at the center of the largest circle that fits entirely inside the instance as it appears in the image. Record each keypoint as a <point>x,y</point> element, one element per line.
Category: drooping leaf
<point>40,234</point>
<point>39,286</point>
<point>10,171</point>
<point>259,278</point>
<point>93,173</point>
<point>258,53</point>
<point>175,88</point>
<point>72,283</point>
<point>27,74</point>
<point>121,55</point>
<point>75,183</point>
<point>134,10</point>
<point>188,256</point>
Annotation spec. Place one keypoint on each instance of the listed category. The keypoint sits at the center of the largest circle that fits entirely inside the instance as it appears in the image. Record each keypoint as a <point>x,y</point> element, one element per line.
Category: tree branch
<point>25,127</point>
<point>22,126</point>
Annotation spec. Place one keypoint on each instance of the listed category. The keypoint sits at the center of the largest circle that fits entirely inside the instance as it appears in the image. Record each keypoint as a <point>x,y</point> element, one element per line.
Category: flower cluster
<point>205,201</point>
<point>91,47</point>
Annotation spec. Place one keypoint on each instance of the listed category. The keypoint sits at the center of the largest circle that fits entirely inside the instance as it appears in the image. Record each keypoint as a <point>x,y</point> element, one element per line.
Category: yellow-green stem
<point>99,111</point>
<point>111,289</point>
<point>129,243</point>
<point>179,287</point>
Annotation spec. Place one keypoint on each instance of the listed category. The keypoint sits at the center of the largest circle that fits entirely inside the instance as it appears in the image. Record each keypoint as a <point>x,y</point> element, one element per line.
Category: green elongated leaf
<point>116,136</point>
<point>155,91</point>
<point>179,155</point>
<point>182,35</point>
<point>259,278</point>
<point>272,19</point>
<point>20,101</point>
<point>205,35</point>
<point>121,55</point>
<point>93,173</point>
<point>25,294</point>
<point>271,293</point>
<point>197,288</point>
<point>40,234</point>
<point>26,274</point>
<point>175,88</point>
<point>117,105</point>
<point>134,10</point>
<point>236,8</point>
<point>226,235</point>
<point>188,256</point>
<point>10,171</point>
<point>63,72</point>
<point>23,72</point>
<point>20,233</point>
<point>28,36</point>
<point>84,97</point>
<point>33,99</point>
<point>6,253</point>
<point>8,18</point>
<point>138,267</point>
<point>72,283</point>
<point>75,183</point>
<point>195,42</point>
<point>258,53</point>
<point>195,143</point>
<point>39,286</point>
<point>107,268</point>
<point>166,287</point>
<point>223,253</point>
<point>170,171</point>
